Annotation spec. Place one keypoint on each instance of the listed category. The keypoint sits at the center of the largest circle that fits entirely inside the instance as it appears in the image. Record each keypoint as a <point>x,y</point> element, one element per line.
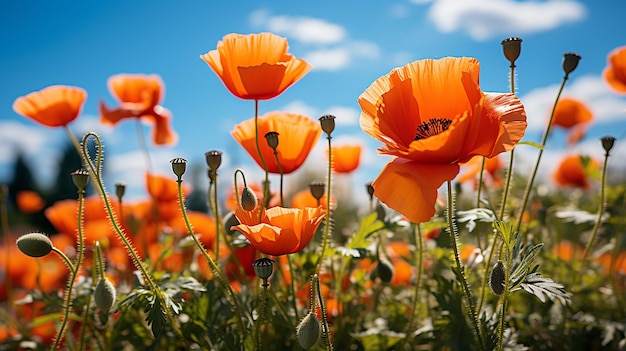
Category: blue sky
<point>348,43</point>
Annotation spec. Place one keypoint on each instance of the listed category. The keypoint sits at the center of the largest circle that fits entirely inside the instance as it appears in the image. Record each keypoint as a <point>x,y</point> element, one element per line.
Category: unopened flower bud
<point>308,331</point>
<point>381,213</point>
<point>317,189</point>
<point>512,48</point>
<point>328,124</point>
<point>263,268</point>
<point>80,178</point>
<point>496,278</point>
<point>385,269</point>
<point>213,159</point>
<point>230,220</point>
<point>570,62</point>
<point>248,199</point>
<point>34,244</point>
<point>607,143</point>
<point>179,166</point>
<point>120,190</point>
<point>272,139</point>
<point>104,295</point>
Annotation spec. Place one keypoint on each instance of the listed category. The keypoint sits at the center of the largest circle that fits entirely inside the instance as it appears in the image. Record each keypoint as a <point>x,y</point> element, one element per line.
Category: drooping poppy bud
<point>104,295</point>
<point>496,278</point>
<point>34,244</point>
<point>308,331</point>
<point>248,199</point>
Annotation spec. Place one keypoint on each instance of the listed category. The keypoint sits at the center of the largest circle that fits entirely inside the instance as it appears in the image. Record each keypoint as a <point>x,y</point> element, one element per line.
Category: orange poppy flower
<point>255,66</point>
<point>278,230</point>
<point>571,112</point>
<point>615,72</point>
<point>164,191</point>
<point>139,97</point>
<point>567,251</point>
<point>346,158</point>
<point>54,106</point>
<point>29,201</point>
<point>297,136</point>
<point>574,170</point>
<point>432,115</point>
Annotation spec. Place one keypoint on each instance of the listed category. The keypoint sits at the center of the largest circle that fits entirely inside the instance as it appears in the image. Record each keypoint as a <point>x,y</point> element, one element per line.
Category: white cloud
<point>329,59</point>
<point>300,107</point>
<point>484,19</point>
<point>15,136</point>
<point>306,29</point>
<point>345,116</point>
<point>591,89</point>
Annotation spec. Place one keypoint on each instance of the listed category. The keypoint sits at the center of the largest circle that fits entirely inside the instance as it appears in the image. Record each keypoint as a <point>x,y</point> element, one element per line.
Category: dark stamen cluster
<point>433,127</point>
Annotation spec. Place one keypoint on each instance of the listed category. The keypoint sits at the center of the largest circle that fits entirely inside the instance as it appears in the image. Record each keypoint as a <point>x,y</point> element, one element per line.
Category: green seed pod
<point>248,199</point>
<point>308,331</point>
<point>34,244</point>
<point>104,295</point>
<point>496,278</point>
<point>385,270</point>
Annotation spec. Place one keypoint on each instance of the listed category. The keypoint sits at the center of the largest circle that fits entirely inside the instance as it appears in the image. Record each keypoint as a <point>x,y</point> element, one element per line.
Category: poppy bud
<point>120,189</point>
<point>308,331</point>
<point>607,143</point>
<point>496,278</point>
<point>317,189</point>
<point>248,199</point>
<point>385,269</point>
<point>272,139</point>
<point>263,268</point>
<point>179,165</point>
<point>512,48</point>
<point>370,190</point>
<point>230,220</point>
<point>328,124</point>
<point>80,178</point>
<point>34,244</point>
<point>104,295</point>
<point>213,159</point>
<point>570,62</point>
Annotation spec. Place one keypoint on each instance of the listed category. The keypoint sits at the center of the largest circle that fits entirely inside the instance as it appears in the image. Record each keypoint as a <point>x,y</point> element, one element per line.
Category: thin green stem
<point>212,264</point>
<point>95,174</point>
<point>480,182</point>
<point>460,269</point>
<point>505,294</point>
<point>280,169</point>
<point>509,173</point>
<point>596,227</point>
<point>325,327</point>
<point>293,287</point>
<point>531,180</point>
<point>417,232</point>
<point>266,185</point>
<point>327,224</point>
<point>218,220</point>
<point>67,261</point>
<point>259,321</point>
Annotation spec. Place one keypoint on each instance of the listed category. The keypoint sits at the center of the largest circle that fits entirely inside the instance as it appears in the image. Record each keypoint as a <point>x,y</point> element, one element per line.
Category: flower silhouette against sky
<point>574,170</point>
<point>615,72</point>
<point>431,115</point>
<point>255,66</point>
<point>278,230</point>
<point>346,157</point>
<point>139,96</point>
<point>54,106</point>
<point>297,136</point>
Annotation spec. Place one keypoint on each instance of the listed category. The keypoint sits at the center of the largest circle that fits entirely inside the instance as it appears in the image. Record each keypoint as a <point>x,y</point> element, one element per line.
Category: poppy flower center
<point>433,127</point>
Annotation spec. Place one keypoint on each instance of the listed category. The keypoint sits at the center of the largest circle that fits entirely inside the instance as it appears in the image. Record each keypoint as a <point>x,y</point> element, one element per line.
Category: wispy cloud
<point>329,47</point>
<point>605,105</point>
<point>487,19</point>
<point>345,116</point>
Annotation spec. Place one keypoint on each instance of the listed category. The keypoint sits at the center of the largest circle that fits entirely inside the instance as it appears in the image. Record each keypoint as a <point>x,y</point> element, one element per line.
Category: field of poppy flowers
<point>425,265</point>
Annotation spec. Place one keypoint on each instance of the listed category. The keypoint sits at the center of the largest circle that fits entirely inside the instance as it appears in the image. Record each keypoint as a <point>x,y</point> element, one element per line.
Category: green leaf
<point>544,288</point>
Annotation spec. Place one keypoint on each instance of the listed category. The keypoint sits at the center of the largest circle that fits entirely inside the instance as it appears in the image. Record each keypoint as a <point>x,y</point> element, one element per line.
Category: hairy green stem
<point>460,269</point>
<point>280,169</point>
<point>533,175</point>
<point>259,321</point>
<point>596,227</point>
<point>327,225</point>
<point>325,327</point>
<point>210,260</point>
<point>266,185</point>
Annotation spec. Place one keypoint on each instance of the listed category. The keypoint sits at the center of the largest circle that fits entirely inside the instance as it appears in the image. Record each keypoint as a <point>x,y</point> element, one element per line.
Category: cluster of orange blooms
<point>258,67</point>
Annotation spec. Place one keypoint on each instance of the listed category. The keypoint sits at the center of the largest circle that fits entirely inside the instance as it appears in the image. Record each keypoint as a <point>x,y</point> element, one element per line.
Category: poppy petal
<point>53,106</point>
<point>410,187</point>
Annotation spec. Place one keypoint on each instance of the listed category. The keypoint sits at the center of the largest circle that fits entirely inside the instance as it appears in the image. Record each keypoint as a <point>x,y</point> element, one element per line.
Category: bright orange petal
<point>53,106</point>
<point>571,112</point>
<point>255,66</point>
<point>29,201</point>
<point>162,134</point>
<point>615,73</point>
<point>146,90</point>
<point>346,158</point>
<point>411,187</point>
